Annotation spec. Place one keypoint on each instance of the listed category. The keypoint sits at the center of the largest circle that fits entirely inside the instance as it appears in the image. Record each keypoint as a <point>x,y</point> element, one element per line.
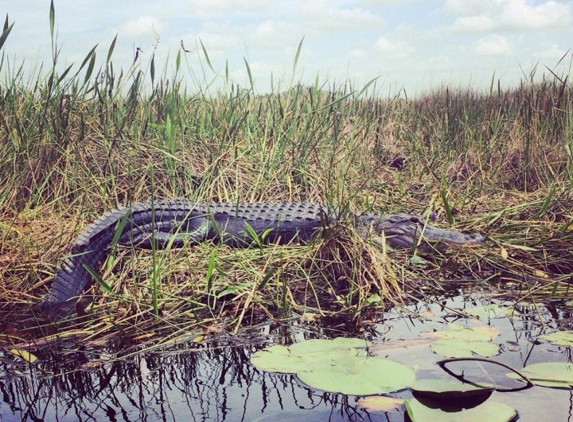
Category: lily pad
<point>449,389</point>
<point>493,311</point>
<point>480,333</point>
<point>459,348</point>
<point>301,356</point>
<point>548,374</point>
<point>562,338</point>
<point>359,375</point>
<point>380,403</point>
<point>488,411</point>
<point>321,346</point>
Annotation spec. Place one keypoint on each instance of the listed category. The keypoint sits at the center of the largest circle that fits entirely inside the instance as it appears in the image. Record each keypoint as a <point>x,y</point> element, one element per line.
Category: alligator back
<point>161,223</point>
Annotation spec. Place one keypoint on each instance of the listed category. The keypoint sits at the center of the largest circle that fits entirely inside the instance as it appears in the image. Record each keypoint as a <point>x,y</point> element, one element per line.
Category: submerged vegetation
<point>77,142</point>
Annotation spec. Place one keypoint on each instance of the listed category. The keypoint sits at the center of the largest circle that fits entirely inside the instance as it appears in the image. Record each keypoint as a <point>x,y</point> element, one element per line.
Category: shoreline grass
<point>76,144</point>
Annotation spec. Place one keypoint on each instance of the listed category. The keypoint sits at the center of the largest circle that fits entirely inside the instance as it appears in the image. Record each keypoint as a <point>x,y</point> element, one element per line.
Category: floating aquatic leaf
<point>564,338</point>
<point>313,346</point>
<point>488,411</point>
<point>449,389</point>
<point>338,365</point>
<point>548,374</point>
<point>380,403</point>
<point>359,375</point>
<point>301,356</point>
<point>493,311</point>
<point>459,348</point>
<point>480,333</point>
<point>278,359</point>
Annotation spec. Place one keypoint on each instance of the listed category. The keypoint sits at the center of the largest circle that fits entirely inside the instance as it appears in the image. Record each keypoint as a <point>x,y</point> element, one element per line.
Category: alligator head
<point>409,230</point>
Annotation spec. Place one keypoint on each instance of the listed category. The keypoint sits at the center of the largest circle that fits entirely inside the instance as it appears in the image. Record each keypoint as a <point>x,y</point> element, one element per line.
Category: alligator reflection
<point>207,385</point>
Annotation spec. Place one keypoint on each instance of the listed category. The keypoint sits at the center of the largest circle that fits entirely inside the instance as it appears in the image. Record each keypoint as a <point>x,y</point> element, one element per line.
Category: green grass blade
<point>5,31</point>
<point>52,18</point>
<point>447,206</point>
<point>206,56</point>
<point>94,274</point>
<point>297,56</point>
<point>110,50</point>
<point>250,75</point>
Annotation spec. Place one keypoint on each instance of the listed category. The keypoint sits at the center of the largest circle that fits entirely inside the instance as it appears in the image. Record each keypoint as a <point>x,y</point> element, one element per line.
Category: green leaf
<point>359,375</point>
<point>563,338</point>
<point>249,74</point>
<point>447,207</point>
<point>300,356</point>
<point>449,389</point>
<point>5,32</point>
<point>297,56</point>
<point>110,50</point>
<point>548,374</point>
<point>206,56</point>
<point>488,411</point>
<point>459,348</point>
<point>91,56</point>
<point>152,69</point>
<point>493,311</point>
<point>52,18</point>
<point>278,358</point>
<point>480,333</point>
<point>321,346</point>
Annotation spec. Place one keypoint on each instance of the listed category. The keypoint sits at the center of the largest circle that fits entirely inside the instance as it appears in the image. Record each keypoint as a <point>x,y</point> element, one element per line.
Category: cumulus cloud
<point>480,15</point>
<point>550,52</point>
<point>142,26</point>
<point>392,47</point>
<point>493,45</point>
<point>325,15</point>
<point>204,8</point>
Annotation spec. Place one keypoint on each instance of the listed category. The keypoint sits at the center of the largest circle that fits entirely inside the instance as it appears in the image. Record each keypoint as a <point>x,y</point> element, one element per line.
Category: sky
<point>411,46</point>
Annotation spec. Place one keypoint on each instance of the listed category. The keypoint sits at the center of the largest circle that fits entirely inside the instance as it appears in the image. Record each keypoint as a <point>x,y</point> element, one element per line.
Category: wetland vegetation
<point>78,141</point>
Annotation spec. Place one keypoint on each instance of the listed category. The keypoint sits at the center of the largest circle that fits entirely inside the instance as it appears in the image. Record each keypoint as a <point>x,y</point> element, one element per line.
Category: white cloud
<point>143,26</point>
<point>204,8</point>
<point>550,52</point>
<point>475,23</point>
<point>392,47</point>
<point>493,45</point>
<point>217,41</point>
<point>480,15</point>
<point>324,15</point>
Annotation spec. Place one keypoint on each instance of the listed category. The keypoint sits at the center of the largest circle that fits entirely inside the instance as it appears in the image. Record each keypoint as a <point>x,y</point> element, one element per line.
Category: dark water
<point>215,382</point>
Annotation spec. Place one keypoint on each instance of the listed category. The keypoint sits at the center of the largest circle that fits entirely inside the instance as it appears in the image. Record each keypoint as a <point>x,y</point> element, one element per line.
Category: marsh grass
<point>80,141</point>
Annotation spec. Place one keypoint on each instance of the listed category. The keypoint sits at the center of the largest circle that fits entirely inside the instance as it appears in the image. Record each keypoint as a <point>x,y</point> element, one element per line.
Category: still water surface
<point>214,381</point>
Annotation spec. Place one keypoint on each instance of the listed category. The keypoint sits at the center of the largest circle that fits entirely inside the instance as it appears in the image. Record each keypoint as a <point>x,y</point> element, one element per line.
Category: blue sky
<point>415,45</point>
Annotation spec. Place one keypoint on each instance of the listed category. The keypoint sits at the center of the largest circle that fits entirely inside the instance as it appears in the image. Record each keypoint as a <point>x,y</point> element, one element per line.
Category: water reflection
<point>216,384</point>
<point>214,381</point>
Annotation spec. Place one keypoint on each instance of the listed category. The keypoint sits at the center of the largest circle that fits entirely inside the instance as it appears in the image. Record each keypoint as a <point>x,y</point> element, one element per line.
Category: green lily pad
<point>488,411</point>
<point>493,311</point>
<point>449,389</point>
<point>321,346</point>
<point>301,356</point>
<point>479,333</point>
<point>359,375</point>
<point>563,338</point>
<point>548,374</point>
<point>459,348</point>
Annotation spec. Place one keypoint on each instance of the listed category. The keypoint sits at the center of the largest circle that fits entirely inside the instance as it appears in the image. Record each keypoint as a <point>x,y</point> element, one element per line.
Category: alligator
<point>174,223</point>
